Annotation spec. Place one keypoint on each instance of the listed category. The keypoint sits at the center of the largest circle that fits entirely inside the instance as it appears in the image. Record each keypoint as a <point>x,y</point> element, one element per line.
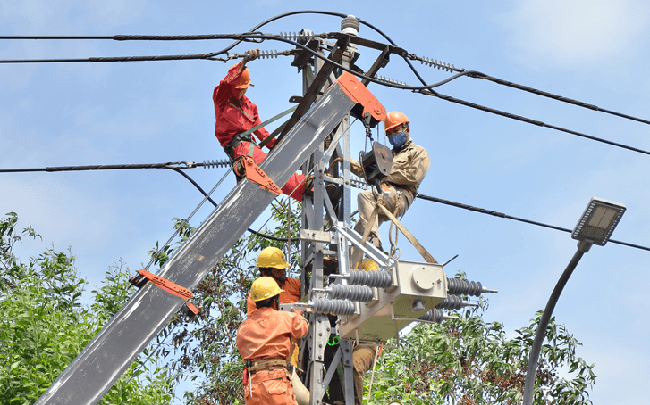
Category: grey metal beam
<point>114,349</point>
<point>315,86</point>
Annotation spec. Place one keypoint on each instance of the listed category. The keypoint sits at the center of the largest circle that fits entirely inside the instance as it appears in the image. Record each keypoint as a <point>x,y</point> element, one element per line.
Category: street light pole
<point>595,227</point>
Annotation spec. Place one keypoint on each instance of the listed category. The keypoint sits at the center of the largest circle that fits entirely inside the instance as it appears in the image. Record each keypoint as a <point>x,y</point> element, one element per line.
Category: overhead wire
<point>242,37</point>
<point>363,185</point>
<point>187,164</point>
<point>479,107</point>
<point>531,121</point>
<point>426,89</point>
<point>505,216</point>
<point>186,221</point>
<point>198,187</point>
<point>472,73</point>
<point>480,75</point>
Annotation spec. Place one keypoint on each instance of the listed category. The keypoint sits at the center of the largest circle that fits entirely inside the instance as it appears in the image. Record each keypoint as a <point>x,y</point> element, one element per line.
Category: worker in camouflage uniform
<point>410,165</point>
<point>264,341</point>
<point>234,114</point>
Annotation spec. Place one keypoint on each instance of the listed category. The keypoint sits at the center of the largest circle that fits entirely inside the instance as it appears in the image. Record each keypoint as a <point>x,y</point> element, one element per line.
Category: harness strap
<point>247,115</point>
<point>266,364</point>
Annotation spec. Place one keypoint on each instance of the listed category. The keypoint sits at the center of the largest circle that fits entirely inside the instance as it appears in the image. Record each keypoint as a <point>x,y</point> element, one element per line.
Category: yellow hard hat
<point>272,257</point>
<point>368,264</point>
<point>394,119</point>
<point>244,79</point>
<point>264,288</point>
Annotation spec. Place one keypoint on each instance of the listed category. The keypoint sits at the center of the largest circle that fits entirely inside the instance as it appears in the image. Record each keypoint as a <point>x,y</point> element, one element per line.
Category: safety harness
<point>254,366</point>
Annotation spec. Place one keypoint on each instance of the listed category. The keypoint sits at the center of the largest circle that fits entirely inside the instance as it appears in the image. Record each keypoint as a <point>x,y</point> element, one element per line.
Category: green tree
<point>44,326</point>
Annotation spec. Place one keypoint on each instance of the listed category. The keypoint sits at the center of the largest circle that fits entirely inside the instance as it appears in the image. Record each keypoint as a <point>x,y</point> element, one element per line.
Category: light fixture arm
<point>531,372</point>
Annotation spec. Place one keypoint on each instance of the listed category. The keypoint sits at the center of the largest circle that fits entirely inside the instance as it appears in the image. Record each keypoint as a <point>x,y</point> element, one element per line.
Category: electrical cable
<point>362,185</point>
<point>480,75</point>
<point>425,89</point>
<point>186,221</point>
<point>430,62</point>
<point>422,89</point>
<point>187,164</point>
<point>505,216</point>
<point>531,121</point>
<point>514,116</point>
<point>198,187</point>
<point>556,97</point>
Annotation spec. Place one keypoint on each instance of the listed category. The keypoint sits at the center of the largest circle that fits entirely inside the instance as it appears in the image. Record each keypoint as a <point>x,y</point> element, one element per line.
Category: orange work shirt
<point>291,293</point>
<point>267,334</point>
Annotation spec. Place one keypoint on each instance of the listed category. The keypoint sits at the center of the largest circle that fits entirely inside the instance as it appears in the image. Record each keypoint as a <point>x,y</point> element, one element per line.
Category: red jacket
<point>233,116</point>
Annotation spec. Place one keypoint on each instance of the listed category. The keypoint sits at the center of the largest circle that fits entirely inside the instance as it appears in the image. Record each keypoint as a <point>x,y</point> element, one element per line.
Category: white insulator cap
<point>350,25</point>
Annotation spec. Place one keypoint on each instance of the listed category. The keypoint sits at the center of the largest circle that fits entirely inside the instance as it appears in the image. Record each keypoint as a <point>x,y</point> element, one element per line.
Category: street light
<point>598,221</point>
<point>595,227</point>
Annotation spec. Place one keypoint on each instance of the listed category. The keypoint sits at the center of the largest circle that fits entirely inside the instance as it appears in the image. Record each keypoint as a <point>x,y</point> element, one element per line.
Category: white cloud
<point>576,32</point>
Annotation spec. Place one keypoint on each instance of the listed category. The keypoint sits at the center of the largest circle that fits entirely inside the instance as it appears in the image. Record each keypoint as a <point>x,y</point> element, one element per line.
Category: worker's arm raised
<point>299,325</point>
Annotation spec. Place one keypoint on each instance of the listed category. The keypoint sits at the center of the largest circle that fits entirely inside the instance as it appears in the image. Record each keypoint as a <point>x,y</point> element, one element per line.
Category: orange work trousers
<point>270,387</point>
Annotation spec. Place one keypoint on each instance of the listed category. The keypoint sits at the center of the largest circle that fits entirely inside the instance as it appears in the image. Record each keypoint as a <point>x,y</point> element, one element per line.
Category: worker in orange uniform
<point>264,341</point>
<point>271,263</point>
<point>410,165</point>
<point>234,113</point>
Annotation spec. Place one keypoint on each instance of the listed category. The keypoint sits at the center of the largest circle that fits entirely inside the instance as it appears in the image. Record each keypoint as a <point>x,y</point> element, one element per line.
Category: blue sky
<point>148,112</point>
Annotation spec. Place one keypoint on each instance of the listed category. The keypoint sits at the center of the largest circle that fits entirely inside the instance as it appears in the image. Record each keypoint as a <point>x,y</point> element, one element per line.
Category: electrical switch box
<point>417,287</point>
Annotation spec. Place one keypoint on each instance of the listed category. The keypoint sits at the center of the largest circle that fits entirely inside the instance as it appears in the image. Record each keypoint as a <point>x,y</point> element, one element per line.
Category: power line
<point>480,75</point>
<point>429,91</point>
<point>363,185</point>
<point>555,97</point>
<point>241,37</point>
<point>207,196</point>
<point>187,164</point>
<point>530,121</point>
<point>505,216</point>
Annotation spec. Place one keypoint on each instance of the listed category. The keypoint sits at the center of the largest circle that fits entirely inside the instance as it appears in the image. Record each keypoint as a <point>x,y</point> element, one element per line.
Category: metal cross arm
<point>143,276</point>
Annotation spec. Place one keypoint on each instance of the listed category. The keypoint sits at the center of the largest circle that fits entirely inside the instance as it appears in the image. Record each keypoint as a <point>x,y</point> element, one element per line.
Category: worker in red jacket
<point>234,113</point>
<point>264,341</point>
